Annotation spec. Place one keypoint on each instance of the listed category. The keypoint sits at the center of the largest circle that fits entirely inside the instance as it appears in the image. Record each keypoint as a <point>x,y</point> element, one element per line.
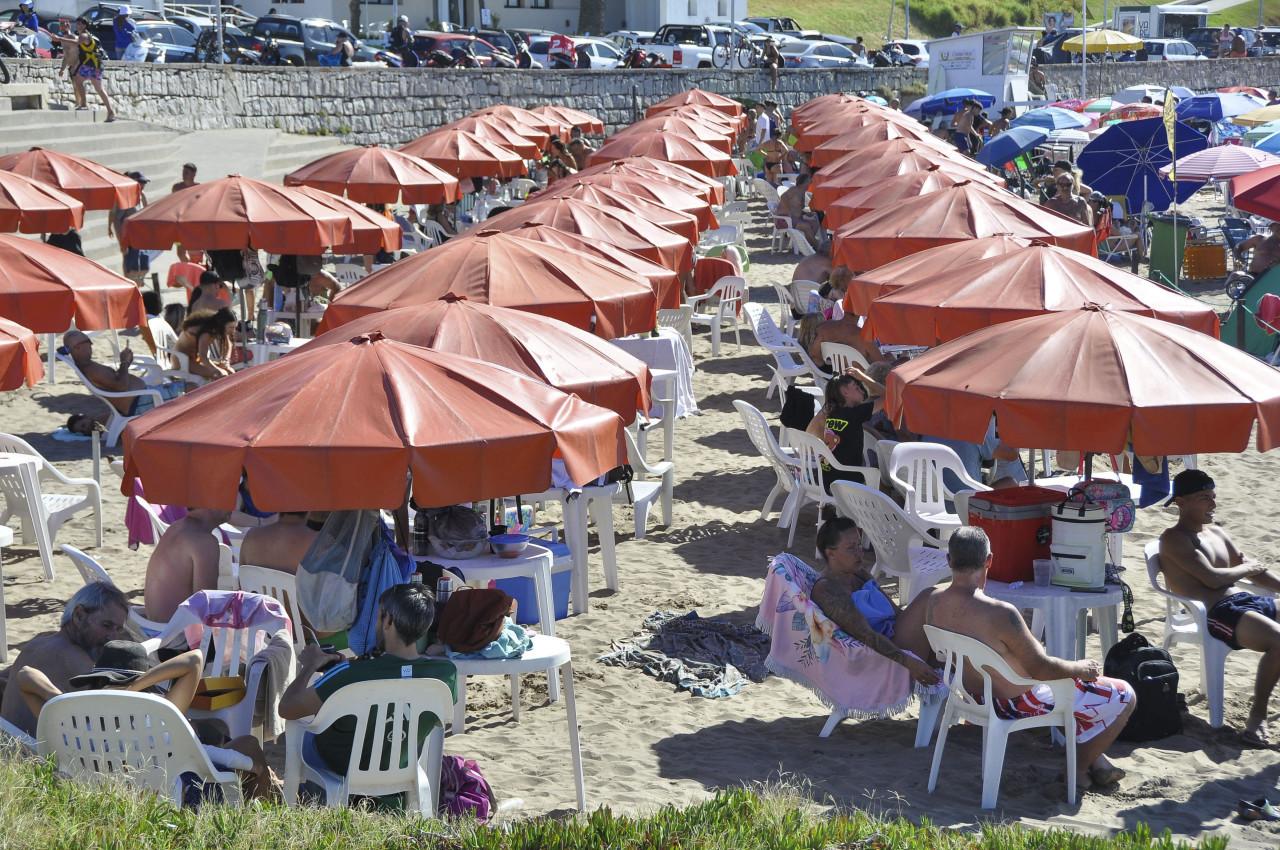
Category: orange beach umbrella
<point>29,206</point>
<point>19,357</point>
<point>668,147</point>
<point>45,288</point>
<point>696,97</point>
<point>371,232</point>
<point>464,154</point>
<point>94,185</point>
<point>378,175</point>
<point>584,121</point>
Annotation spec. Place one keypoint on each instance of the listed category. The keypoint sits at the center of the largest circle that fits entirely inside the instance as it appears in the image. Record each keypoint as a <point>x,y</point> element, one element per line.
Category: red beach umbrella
<point>673,197</point>
<point>19,357</point>
<point>378,175</point>
<point>464,154</point>
<point>44,288</point>
<point>371,232</point>
<point>493,128</point>
<point>94,185</point>
<point>1258,192</point>
<point>668,147</point>
<point>584,121</point>
<point>857,141</point>
<point>674,220</point>
<point>29,206</point>
<point>667,122</point>
<point>707,188</point>
<point>696,97</point>
<point>888,191</point>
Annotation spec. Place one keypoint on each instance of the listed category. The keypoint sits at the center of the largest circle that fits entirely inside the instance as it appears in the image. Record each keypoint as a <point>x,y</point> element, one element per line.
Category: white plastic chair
<point>786,303</point>
<point>348,273</point>
<point>725,234</point>
<point>678,318</point>
<point>842,356</point>
<point>375,706</point>
<point>810,451</point>
<point>1185,621</point>
<point>173,362</point>
<point>767,191</point>
<point>643,492</point>
<point>916,470</point>
<point>280,586</point>
<point>785,468</point>
<point>799,243</point>
<point>58,507</point>
<point>117,420</point>
<point>519,188</point>
<point>90,570</point>
<point>144,739</point>
<point>779,228</point>
<point>777,344</point>
<point>728,292</point>
<point>960,652</point>
<point>892,534</point>
<point>884,451</point>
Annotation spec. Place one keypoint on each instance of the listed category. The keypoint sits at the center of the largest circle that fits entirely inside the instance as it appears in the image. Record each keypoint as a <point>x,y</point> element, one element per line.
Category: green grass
<point>1246,15</point>
<point>40,810</point>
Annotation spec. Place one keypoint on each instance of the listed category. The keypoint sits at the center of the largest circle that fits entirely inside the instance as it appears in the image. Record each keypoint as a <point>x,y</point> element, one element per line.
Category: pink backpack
<point>463,789</point>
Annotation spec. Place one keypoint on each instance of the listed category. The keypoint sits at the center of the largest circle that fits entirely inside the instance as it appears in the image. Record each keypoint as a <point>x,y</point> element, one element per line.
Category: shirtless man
<point>962,126</point>
<point>1001,124</point>
<point>188,179</point>
<point>1068,203</point>
<point>815,268</point>
<point>845,330</point>
<point>1199,560</point>
<point>184,561</point>
<point>1102,705</point>
<point>117,380</point>
<point>280,545</point>
<point>1266,251</point>
<point>91,619</point>
<point>792,205</point>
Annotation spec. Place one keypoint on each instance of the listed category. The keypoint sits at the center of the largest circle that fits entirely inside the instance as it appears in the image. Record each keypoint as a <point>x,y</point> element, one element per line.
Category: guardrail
<point>230,14</point>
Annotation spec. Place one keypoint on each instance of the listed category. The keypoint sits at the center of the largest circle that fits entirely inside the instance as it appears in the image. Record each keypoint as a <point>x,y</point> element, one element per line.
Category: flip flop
<point>1258,809</point>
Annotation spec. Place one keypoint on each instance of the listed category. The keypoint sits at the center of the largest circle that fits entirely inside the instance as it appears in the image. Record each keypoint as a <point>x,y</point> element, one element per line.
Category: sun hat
<point>1189,481</point>
<point>123,10</point>
<point>120,663</point>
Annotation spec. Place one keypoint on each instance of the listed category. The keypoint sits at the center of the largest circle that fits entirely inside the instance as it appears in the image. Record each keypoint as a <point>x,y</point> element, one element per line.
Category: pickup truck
<point>302,41</point>
<point>783,26</point>
<point>688,45</point>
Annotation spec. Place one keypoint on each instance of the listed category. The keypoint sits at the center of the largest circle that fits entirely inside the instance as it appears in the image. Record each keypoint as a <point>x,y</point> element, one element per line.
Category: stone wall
<point>1208,75</point>
<point>392,106</point>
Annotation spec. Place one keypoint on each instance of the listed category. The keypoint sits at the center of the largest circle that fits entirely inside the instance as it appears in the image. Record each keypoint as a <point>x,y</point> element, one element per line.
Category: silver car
<point>820,54</point>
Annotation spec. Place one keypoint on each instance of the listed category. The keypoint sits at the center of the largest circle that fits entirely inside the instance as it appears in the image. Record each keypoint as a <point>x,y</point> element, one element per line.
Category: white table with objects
<point>592,503</point>
<point>666,353</point>
<point>1064,613</point>
<point>265,352</point>
<point>27,469</point>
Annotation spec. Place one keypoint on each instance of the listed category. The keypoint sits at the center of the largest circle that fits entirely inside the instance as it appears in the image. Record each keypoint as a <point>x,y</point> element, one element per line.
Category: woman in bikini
<point>774,151</point>
<point>207,339</point>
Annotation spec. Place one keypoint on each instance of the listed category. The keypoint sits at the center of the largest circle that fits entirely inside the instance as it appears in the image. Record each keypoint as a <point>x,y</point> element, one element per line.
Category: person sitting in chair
<point>119,380</point>
<point>793,205</point>
<point>1266,251</point>
<point>280,545</point>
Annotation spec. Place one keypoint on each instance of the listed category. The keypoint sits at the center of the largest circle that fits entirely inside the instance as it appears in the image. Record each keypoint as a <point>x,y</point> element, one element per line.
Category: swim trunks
<point>1225,615</point>
<point>136,261</point>
<point>960,140</point>
<point>89,72</point>
<point>143,403</point>
<point>1097,705</point>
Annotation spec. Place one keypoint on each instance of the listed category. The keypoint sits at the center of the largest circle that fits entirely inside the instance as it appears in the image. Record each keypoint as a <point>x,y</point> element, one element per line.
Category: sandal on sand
<point>1259,809</point>
<point>1109,776</point>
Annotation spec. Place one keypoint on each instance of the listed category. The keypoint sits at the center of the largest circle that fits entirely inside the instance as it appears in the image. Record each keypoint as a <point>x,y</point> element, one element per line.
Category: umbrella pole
<point>1088,465</point>
<point>1084,47</point>
<point>244,323</point>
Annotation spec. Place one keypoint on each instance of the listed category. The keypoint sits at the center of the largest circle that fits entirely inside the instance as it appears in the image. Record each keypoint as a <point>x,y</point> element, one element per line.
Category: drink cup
<point>1043,568</point>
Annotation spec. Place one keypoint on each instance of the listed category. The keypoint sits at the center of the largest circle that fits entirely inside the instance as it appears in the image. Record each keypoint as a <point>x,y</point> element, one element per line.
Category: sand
<point>645,745</point>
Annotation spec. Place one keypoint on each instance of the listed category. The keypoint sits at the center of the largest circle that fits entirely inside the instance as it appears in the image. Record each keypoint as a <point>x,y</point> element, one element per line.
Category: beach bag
<point>388,566</point>
<point>473,619</point>
<point>329,576</point>
<point>798,409</point>
<point>464,791</point>
<point>457,532</point>
<point>1154,678</point>
<point>1114,498</point>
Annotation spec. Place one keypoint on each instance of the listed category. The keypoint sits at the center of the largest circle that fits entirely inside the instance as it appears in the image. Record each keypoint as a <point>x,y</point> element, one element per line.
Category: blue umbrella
<point>1271,144</point>
<point>948,102</point>
<point>1126,159</point>
<point>1217,106</point>
<point>1051,118</point>
<point>1011,144</point>
<point>875,98</point>
<point>913,108</point>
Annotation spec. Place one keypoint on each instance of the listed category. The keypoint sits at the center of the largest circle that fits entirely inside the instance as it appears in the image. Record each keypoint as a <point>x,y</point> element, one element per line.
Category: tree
<point>354,6</point>
<point>591,17</point>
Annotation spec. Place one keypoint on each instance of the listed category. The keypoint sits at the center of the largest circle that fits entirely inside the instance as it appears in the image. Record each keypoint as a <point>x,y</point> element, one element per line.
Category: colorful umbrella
<point>948,102</point>
<point>492,267</point>
<point>464,154</point>
<point>94,185</point>
<point>1220,163</point>
<point>1257,192</point>
<point>1101,41</point>
<point>1011,144</point>
<point>44,288</point>
<point>1132,112</point>
<point>546,350</point>
<point>1126,159</point>
<point>378,175</point>
<point>1091,380</point>
<point>1102,104</point>
<point>1217,106</point>
<point>696,97</point>
<point>19,356</point>
<point>1026,282</point>
<point>342,426</point>
<point>1263,115</point>
<point>1135,94</point>
<point>239,212</point>
<point>371,232</point>
<point>1074,105</point>
<point>1051,118</point>
<point>29,206</point>
<point>668,147</point>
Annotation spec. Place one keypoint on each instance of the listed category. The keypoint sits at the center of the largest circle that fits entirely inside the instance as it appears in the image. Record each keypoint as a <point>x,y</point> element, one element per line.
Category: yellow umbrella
<point>1257,117</point>
<point>1102,41</point>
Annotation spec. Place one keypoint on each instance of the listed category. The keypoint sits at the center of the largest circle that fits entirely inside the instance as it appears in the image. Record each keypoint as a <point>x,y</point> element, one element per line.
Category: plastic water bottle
<point>420,528</point>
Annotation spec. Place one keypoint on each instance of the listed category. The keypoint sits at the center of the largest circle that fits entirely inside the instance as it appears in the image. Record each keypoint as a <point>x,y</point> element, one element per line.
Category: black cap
<point>1189,481</point>
<point>119,663</point>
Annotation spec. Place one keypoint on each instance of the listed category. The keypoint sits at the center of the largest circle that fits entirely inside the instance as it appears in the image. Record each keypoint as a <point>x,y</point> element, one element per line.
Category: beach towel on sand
<point>809,648</point>
<point>708,658</point>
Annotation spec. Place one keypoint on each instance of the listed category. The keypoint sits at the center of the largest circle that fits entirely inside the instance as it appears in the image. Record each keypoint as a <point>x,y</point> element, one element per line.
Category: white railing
<point>230,14</point>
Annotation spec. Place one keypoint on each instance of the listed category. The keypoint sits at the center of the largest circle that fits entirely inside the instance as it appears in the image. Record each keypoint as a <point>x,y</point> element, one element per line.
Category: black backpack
<point>1150,671</point>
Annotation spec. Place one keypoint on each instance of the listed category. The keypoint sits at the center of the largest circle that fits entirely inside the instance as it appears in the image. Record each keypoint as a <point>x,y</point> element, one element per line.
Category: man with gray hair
<point>1102,705</point>
<point>92,618</point>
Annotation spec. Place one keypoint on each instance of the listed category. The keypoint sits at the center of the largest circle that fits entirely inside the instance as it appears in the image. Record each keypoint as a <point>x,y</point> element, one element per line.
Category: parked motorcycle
<point>636,57</point>
<point>503,59</point>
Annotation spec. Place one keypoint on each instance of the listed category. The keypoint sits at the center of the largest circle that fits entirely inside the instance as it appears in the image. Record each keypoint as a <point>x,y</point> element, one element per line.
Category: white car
<point>624,39</point>
<point>917,51</point>
<point>602,52</point>
<point>1168,50</point>
<point>820,54</point>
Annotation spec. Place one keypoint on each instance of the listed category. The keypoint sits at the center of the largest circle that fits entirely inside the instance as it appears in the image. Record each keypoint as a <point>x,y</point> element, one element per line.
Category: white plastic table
<point>6,538</point>
<point>548,653</point>
<point>265,352</point>
<point>594,503</point>
<point>1063,610</point>
<point>27,468</point>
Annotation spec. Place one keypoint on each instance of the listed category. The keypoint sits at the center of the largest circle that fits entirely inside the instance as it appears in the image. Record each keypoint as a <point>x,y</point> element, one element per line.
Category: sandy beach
<point>645,745</point>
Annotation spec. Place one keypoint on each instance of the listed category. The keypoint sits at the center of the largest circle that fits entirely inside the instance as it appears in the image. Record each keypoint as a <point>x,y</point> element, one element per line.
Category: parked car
<point>786,26</point>
<point>601,52</point>
<point>169,42</point>
<point>1205,40</point>
<point>917,51</point>
<point>820,54</point>
<point>624,39</point>
<point>499,39</point>
<point>1269,40</point>
<point>689,45</point>
<point>302,41</point>
<point>195,24</point>
<point>1168,50</point>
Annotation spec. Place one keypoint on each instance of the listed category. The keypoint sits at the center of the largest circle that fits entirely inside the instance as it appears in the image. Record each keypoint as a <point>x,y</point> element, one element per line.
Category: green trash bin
<point>1168,241</point>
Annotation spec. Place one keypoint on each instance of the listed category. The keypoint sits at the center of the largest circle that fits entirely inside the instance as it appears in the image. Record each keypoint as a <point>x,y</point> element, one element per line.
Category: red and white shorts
<point>1097,704</point>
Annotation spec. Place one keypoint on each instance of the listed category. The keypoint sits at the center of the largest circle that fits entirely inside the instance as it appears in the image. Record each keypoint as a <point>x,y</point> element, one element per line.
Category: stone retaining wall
<point>1208,75</point>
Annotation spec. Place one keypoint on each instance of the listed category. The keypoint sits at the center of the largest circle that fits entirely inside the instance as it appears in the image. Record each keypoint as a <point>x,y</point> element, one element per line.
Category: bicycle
<point>742,53</point>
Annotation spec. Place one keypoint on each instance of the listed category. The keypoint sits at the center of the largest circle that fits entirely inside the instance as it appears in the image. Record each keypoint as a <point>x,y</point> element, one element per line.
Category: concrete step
<point>291,151</point>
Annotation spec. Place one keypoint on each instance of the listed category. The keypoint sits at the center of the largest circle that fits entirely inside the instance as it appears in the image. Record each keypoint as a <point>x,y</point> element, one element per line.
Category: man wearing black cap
<point>1199,561</point>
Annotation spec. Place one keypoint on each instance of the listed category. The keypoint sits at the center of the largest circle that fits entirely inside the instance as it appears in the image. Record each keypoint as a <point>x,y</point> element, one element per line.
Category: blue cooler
<point>523,591</point>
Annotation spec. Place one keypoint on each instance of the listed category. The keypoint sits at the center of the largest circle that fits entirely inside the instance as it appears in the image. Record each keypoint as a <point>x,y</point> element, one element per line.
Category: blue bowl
<point>508,545</point>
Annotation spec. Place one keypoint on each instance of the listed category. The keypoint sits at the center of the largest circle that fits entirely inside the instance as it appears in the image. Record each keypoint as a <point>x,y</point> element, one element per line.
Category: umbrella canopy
<point>493,128</point>
<point>516,115</point>
<point>1026,282</point>
<point>339,427</point>
<point>1126,160</point>
<point>1091,380</point>
<point>1269,143</point>
<point>1217,105</point>
<point>1102,41</point>
<point>1263,115</point>
<point>886,192</point>
<point>696,97</point>
<point>584,121</point>
<point>378,175</point>
<point>949,101</point>
<point>546,350</point>
<point>820,107</point>
<point>19,356</point>
<point>1011,144</point>
<point>1257,192</point>
<point>1051,118</point>
<point>495,268</point>
<point>1220,163</point>
<point>668,147</point>
<point>29,206</point>
<point>464,154</point>
<point>1073,105</point>
<point>1069,137</point>
<point>707,115</point>
<point>1135,94</point>
<point>45,288</point>
<point>1132,112</point>
<point>1253,90</point>
<point>1102,104</point>
<point>667,122</point>
<point>536,133</point>
<point>610,225</point>
<point>665,283</point>
<point>672,198</point>
<point>861,138</point>
<point>924,265</point>
<point>677,222</point>
<point>239,212</point>
<point>1262,131</point>
<point>706,188</point>
<point>94,185</point>
<point>831,184</point>
<point>371,232</point>
<point>847,119</point>
<point>963,211</point>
